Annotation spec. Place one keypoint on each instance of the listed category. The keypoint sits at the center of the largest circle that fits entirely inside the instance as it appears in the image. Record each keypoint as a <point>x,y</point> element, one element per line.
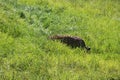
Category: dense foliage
<point>26,53</point>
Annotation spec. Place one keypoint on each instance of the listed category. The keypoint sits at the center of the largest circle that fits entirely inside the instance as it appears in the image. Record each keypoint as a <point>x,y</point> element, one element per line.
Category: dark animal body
<point>71,41</point>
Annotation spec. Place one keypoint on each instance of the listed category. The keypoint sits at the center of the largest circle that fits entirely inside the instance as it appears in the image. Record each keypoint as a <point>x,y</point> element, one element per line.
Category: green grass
<point>26,53</point>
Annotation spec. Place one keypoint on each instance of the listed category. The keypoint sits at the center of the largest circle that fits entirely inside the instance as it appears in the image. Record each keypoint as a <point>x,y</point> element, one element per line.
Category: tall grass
<point>26,53</point>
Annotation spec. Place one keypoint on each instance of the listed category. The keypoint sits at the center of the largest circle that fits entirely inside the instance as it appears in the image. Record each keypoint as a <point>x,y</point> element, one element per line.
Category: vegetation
<point>26,53</point>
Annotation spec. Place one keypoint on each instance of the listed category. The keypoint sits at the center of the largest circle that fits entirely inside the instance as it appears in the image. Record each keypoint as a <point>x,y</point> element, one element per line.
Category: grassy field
<point>26,53</point>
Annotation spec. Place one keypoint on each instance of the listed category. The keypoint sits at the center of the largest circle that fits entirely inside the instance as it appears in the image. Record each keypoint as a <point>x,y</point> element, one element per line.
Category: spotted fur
<point>71,41</point>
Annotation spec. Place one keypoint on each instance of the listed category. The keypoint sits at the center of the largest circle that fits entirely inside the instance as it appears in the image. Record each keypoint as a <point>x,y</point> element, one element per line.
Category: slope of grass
<point>26,53</point>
